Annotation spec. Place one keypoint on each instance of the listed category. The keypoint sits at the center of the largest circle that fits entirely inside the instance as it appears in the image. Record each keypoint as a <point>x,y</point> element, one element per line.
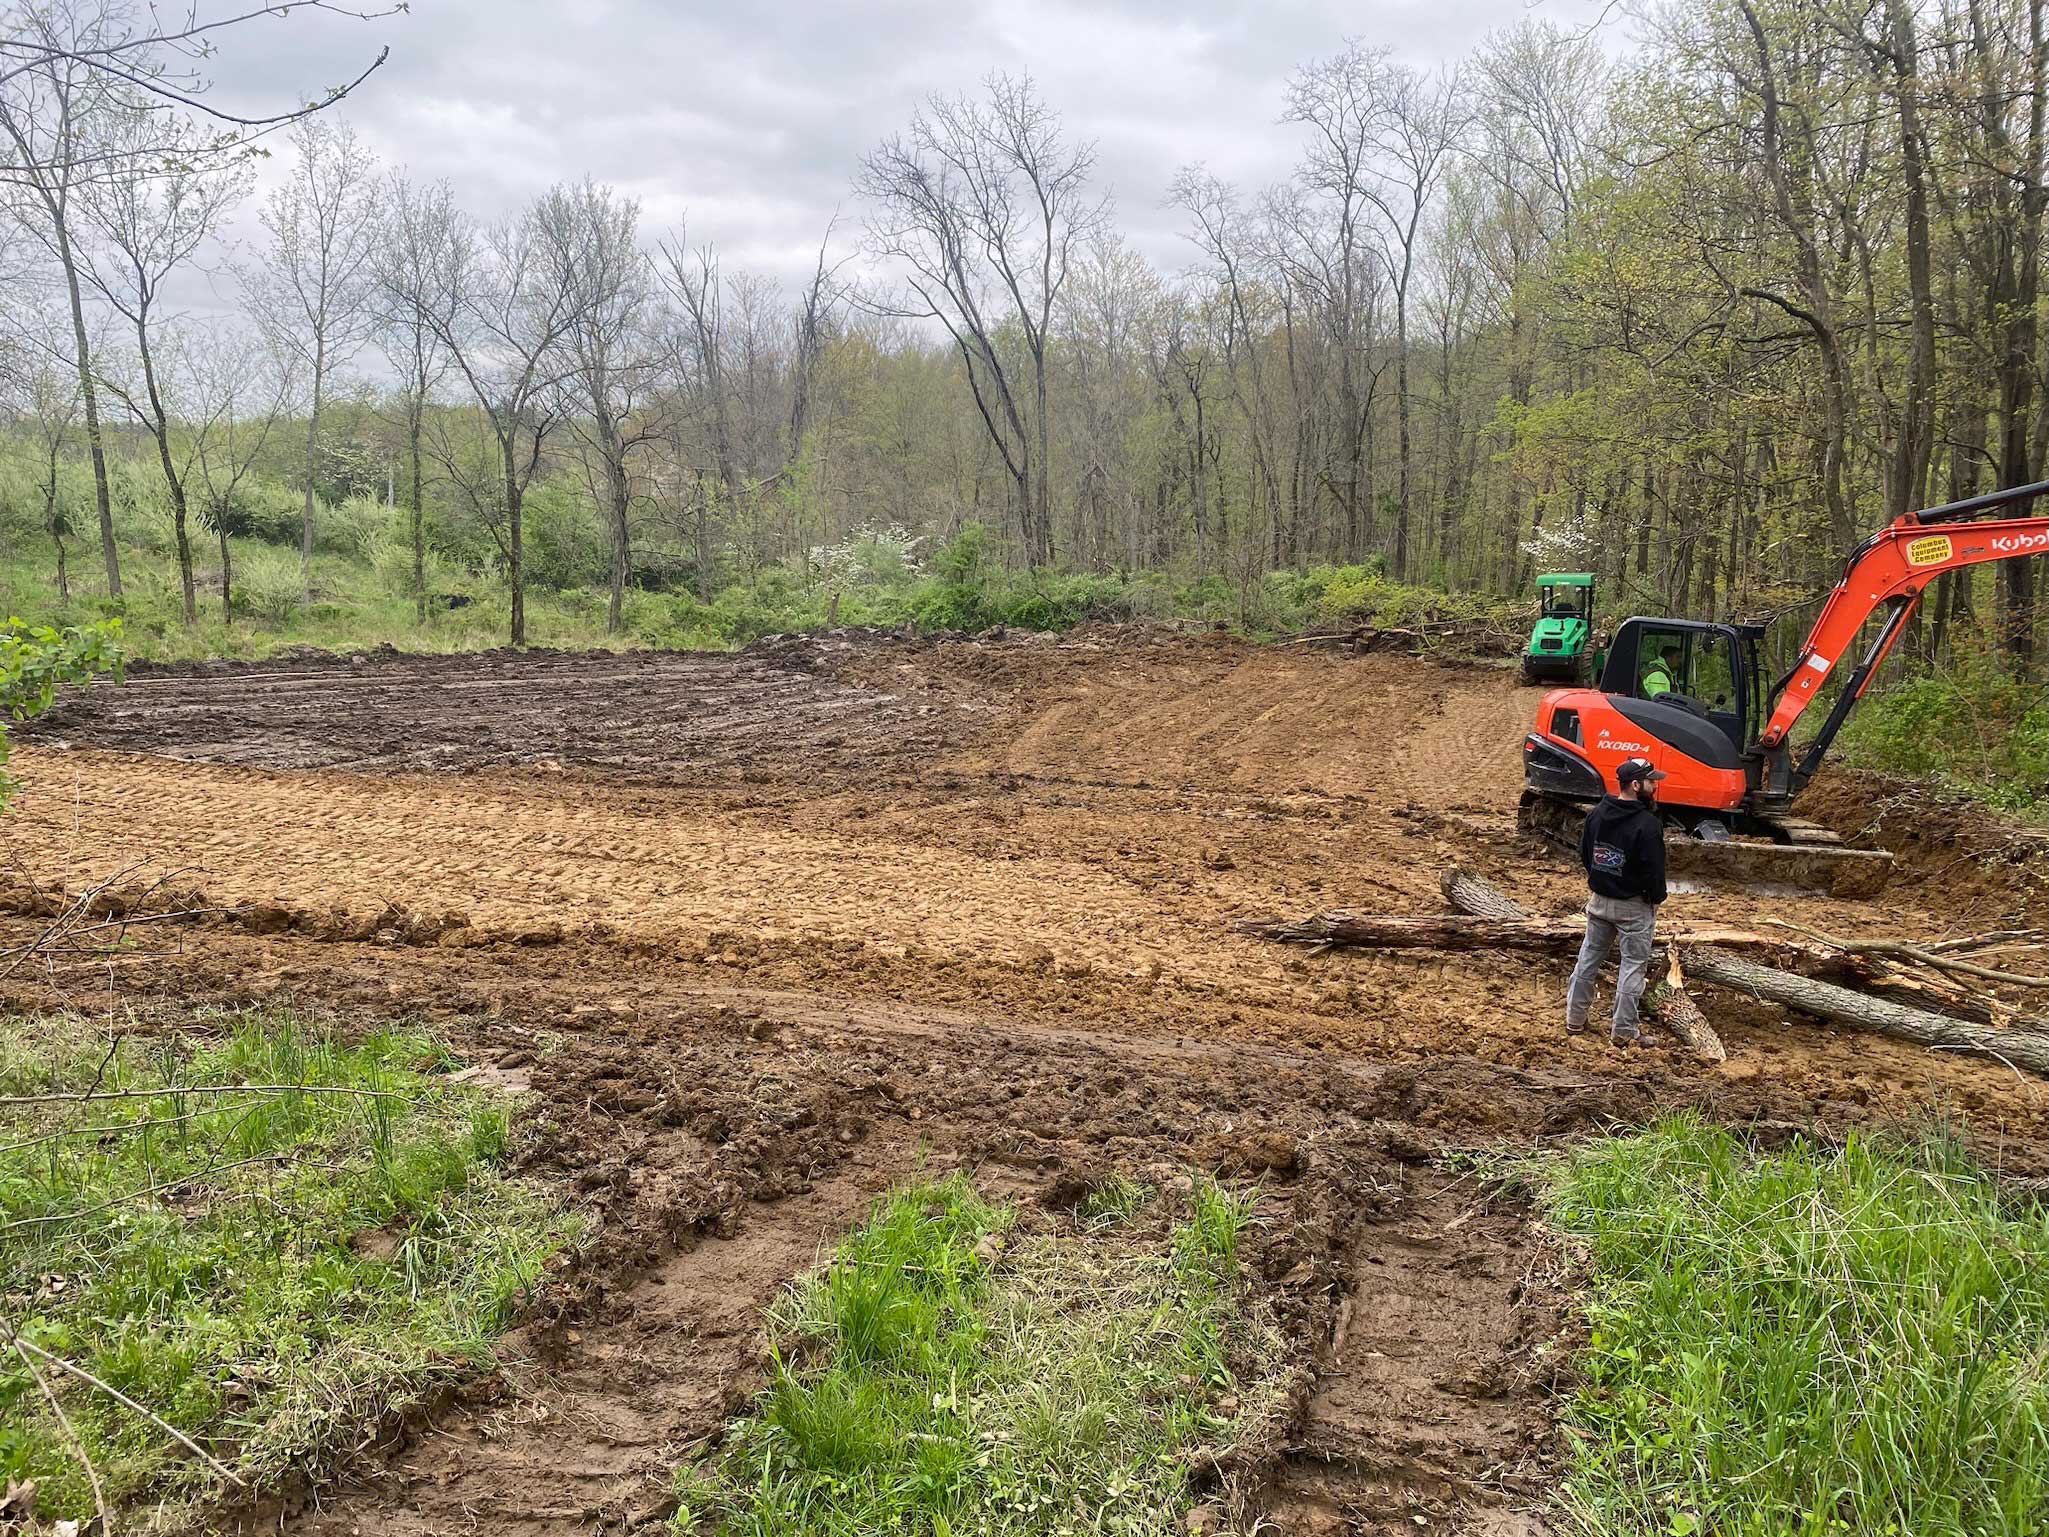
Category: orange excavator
<point>1692,697</point>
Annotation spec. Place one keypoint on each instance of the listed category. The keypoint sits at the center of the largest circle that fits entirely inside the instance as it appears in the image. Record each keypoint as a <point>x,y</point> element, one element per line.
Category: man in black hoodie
<point>1623,849</point>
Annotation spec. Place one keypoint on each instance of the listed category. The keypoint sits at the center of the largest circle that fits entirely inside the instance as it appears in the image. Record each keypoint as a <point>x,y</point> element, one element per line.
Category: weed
<point>1207,1243</point>
<point>1117,1199</point>
<point>918,1387</point>
<point>1975,728</point>
<point>1806,1343</point>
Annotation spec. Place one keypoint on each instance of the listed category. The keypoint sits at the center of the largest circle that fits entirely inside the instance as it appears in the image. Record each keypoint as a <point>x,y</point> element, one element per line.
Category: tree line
<point>1695,317</point>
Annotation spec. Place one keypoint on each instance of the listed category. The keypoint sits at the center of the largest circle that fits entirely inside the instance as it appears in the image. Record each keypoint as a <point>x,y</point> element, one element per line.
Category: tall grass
<point>1976,728</point>
<point>1806,1343</point>
<point>269,1239</point>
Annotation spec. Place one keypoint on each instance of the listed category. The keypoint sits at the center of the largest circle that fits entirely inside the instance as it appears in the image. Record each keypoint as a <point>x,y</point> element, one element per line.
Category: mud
<point>650,713</point>
<point>760,935</point>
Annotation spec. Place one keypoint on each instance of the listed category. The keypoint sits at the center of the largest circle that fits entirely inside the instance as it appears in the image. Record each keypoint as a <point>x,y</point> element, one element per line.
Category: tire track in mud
<point>595,1416</point>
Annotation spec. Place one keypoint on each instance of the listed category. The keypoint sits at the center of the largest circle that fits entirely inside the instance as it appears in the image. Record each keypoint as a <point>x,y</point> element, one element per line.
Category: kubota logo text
<point>2008,544</point>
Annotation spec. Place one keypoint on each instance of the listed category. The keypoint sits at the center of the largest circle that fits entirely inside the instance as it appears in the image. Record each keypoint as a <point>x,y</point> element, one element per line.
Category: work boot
<point>1620,1040</point>
<point>1575,1027</point>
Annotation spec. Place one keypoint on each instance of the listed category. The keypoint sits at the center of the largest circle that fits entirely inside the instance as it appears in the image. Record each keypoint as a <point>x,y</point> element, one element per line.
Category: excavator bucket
<point>1812,858</point>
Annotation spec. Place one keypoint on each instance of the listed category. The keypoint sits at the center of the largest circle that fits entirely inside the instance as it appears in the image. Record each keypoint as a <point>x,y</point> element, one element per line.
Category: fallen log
<point>1669,1003</point>
<point>2018,1047</point>
<point>1458,931</point>
<point>1919,954</point>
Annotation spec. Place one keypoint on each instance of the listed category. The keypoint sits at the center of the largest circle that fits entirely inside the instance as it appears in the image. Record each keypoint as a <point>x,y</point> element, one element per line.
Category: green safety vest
<point>1657,681</point>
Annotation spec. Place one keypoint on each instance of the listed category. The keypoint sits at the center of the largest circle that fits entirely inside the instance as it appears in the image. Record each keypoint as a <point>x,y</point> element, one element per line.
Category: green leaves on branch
<point>36,659</point>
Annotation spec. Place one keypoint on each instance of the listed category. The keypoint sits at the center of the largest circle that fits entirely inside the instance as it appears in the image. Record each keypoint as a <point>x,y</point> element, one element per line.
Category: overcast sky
<point>751,117</point>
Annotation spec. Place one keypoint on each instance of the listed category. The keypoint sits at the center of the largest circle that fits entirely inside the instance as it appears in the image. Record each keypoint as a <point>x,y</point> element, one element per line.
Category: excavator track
<point>1811,856</point>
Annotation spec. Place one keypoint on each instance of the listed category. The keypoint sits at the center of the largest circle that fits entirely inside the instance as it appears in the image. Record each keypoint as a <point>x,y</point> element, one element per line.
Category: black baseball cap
<point>1635,770</point>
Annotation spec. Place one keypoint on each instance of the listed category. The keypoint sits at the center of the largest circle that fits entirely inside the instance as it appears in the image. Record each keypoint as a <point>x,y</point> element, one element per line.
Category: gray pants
<point>1609,920</point>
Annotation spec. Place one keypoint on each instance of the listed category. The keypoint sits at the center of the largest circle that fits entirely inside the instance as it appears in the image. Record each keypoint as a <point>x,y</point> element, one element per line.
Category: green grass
<point>1805,1343</point>
<point>1117,1199</point>
<point>194,1249</point>
<point>944,1374</point>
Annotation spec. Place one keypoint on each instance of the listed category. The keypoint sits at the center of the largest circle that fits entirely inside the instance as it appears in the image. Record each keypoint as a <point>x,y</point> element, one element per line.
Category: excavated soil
<point>758,936</point>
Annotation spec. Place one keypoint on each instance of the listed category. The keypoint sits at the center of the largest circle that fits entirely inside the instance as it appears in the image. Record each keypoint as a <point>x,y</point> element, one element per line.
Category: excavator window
<point>1717,683</point>
<point>1714,673</point>
<point>1661,664</point>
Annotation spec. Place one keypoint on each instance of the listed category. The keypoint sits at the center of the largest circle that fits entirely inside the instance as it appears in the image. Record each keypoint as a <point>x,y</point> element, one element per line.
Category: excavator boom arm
<point>1892,566</point>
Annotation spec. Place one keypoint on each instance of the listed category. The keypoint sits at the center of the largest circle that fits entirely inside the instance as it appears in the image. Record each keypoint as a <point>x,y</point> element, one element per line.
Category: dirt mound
<point>1953,854</point>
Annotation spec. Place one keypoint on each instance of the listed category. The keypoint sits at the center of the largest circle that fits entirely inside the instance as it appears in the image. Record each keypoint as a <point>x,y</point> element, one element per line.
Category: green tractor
<point>1561,646</point>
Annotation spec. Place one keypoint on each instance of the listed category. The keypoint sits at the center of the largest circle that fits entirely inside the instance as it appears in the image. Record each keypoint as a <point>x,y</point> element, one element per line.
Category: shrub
<point>1974,727</point>
<point>36,659</point>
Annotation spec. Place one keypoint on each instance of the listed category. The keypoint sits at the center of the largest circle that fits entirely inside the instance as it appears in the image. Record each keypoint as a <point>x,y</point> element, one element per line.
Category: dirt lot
<point>759,933</point>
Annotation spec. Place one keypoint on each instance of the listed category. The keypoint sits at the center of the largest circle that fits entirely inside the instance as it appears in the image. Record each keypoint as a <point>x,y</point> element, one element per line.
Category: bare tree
<point>611,353</point>
<point>41,386</point>
<point>816,311</point>
<point>1219,231</point>
<point>697,357</point>
<point>145,230</point>
<point>504,301</point>
<point>1406,130</point>
<point>983,205</point>
<point>312,292</point>
<point>236,391</point>
<point>153,57</point>
<point>415,311</point>
<point>55,108</point>
<point>1322,232</point>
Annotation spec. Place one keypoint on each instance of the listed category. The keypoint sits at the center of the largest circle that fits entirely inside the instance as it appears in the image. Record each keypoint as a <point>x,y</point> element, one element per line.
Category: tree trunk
<point>227,567</point>
<point>54,523</point>
<point>2017,466</point>
<point>95,445</point>
<point>1464,931</point>
<point>312,459</point>
<point>514,552</point>
<point>416,412</point>
<point>1401,387</point>
<point>621,552</point>
<point>160,429</point>
<point>1042,495</point>
<point>1917,425</point>
<point>617,497</point>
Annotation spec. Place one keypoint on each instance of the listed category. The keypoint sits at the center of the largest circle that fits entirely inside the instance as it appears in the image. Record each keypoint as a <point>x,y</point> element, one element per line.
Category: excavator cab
<point>1710,671</point>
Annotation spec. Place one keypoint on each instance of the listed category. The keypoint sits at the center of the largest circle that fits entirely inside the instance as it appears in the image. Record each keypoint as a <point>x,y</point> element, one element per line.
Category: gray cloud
<point>751,119</point>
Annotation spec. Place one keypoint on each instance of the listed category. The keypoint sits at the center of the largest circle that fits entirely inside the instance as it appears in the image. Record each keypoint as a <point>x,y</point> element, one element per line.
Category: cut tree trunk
<point>1459,931</point>
<point>1673,1007</point>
